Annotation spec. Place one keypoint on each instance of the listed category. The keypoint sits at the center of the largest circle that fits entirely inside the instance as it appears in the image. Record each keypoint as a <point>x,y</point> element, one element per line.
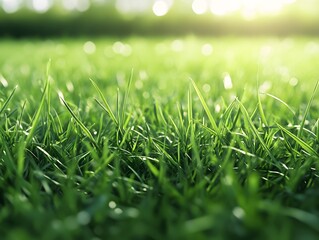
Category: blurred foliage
<point>106,20</point>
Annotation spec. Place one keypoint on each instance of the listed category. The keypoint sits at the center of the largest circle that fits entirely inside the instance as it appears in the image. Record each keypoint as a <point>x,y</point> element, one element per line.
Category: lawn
<point>159,138</point>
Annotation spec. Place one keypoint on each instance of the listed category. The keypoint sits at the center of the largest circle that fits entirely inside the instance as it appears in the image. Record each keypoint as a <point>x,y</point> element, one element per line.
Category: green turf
<point>152,139</point>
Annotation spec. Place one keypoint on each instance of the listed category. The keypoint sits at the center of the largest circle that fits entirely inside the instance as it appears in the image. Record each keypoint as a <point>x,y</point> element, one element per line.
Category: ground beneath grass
<point>159,138</point>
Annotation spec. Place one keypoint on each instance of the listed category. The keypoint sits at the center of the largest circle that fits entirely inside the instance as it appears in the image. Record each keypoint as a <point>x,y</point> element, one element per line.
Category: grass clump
<point>151,154</point>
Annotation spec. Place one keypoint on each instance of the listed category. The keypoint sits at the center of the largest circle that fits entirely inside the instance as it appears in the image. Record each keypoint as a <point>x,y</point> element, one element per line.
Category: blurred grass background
<point>45,18</point>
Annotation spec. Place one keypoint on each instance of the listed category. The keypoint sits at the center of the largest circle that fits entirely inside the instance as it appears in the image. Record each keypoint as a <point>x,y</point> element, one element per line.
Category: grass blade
<point>106,107</point>
<point>299,141</point>
<point>209,114</point>
<point>307,110</point>
<point>126,95</point>
<point>281,101</point>
<point>79,122</point>
<point>8,100</point>
<point>255,131</point>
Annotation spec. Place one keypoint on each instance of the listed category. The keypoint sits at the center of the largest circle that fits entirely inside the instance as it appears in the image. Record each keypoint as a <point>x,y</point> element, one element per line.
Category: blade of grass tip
<point>128,87</point>
<point>307,110</point>
<point>209,114</point>
<point>48,79</point>
<point>190,107</point>
<point>82,126</point>
<point>255,131</point>
<point>106,107</point>
<point>281,101</point>
<point>260,108</point>
<point>35,121</point>
<point>8,100</point>
<point>38,113</point>
<point>300,142</point>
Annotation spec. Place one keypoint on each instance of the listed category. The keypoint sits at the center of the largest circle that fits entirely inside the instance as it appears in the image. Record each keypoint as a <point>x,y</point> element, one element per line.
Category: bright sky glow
<point>79,5</point>
<point>129,6</point>
<point>249,9</point>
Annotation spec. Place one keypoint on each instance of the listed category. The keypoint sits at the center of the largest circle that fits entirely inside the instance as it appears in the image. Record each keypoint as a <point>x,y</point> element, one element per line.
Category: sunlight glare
<point>41,6</point>
<point>11,6</point>
<point>128,6</point>
<point>200,6</point>
<point>223,7</point>
<point>161,8</point>
<point>247,8</point>
<point>228,84</point>
<point>79,5</point>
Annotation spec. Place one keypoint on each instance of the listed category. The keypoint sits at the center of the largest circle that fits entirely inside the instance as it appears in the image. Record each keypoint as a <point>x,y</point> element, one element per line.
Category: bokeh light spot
<point>207,49</point>
<point>200,6</point>
<point>293,81</point>
<point>177,45</point>
<point>89,47</point>
<point>228,84</point>
<point>3,81</point>
<point>160,8</point>
<point>41,6</point>
<point>11,6</point>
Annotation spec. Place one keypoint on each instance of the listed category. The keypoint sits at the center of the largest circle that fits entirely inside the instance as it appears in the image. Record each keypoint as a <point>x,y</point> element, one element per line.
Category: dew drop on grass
<point>89,47</point>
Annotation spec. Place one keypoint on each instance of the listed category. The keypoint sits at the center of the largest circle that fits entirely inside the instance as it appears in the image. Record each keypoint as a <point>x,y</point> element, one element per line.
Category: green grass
<point>143,140</point>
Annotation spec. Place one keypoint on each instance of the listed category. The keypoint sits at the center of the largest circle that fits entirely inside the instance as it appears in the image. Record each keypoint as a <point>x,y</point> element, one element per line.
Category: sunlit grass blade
<point>126,94</point>
<point>282,102</point>
<point>299,141</point>
<point>85,130</point>
<point>34,124</point>
<point>255,131</point>
<point>261,111</point>
<point>106,107</point>
<point>307,110</point>
<point>204,104</point>
<point>8,100</point>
